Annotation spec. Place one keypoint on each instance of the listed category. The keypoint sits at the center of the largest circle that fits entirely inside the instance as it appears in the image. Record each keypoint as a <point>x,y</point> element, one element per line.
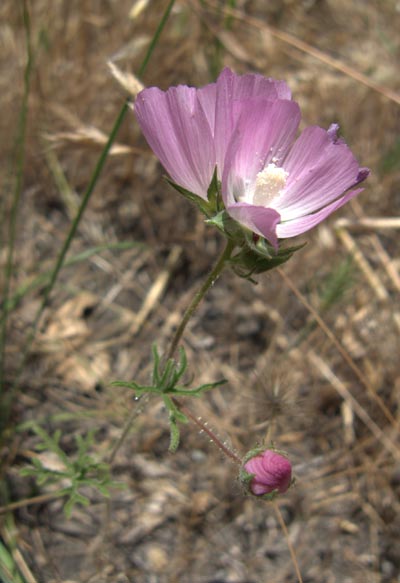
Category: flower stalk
<point>203,427</point>
<point>211,279</point>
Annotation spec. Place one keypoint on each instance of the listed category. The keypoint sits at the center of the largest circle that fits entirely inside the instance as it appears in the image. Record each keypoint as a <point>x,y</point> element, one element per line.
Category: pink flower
<point>245,126</point>
<point>267,472</point>
<point>189,129</point>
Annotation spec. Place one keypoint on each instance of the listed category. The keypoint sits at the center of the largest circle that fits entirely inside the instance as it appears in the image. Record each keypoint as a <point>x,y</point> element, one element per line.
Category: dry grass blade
<point>371,276</point>
<point>106,311</point>
<point>17,556</point>
<point>138,7</point>
<point>90,136</point>
<point>288,542</point>
<point>374,224</point>
<point>369,224</point>
<point>304,47</point>
<point>27,502</point>
<point>327,372</point>
<point>341,350</point>
<point>156,291</point>
<point>85,135</point>
<point>387,263</point>
<point>129,82</point>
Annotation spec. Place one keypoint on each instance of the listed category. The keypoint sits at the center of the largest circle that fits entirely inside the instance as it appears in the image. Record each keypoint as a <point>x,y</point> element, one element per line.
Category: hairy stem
<point>204,427</point>
<point>211,279</point>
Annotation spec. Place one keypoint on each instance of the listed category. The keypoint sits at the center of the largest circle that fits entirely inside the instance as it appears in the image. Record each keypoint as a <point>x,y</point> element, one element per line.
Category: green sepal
<point>259,256</point>
<point>201,204</point>
<point>228,226</point>
<point>208,207</point>
<point>215,202</point>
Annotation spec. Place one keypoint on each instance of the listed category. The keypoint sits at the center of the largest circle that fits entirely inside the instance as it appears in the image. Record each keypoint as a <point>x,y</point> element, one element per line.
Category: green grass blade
<point>20,162</point>
<point>44,278</point>
<point>8,569</point>
<point>155,38</point>
<point>75,224</point>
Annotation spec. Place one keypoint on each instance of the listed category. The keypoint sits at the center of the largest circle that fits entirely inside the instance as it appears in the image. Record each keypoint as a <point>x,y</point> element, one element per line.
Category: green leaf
<point>138,390</point>
<point>174,435</point>
<point>167,379</point>
<point>156,358</point>
<point>182,392</point>
<point>175,417</point>
<point>166,375</point>
<point>181,366</point>
<point>128,385</point>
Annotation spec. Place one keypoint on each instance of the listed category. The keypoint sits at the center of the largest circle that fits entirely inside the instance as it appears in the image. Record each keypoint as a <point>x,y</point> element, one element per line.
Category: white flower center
<point>269,184</point>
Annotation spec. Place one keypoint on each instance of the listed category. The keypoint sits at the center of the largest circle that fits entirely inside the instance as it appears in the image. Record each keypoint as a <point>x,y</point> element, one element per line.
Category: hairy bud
<point>266,472</point>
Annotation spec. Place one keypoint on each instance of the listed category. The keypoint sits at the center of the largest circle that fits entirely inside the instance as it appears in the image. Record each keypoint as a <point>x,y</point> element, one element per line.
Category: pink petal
<point>177,130</point>
<point>259,488</point>
<point>258,219</point>
<point>207,97</point>
<point>264,131</point>
<point>321,168</point>
<point>272,471</point>
<point>302,224</point>
<point>250,85</point>
<point>232,88</point>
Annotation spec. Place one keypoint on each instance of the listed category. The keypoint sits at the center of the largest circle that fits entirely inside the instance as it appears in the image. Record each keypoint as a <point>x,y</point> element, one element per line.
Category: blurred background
<point>182,517</point>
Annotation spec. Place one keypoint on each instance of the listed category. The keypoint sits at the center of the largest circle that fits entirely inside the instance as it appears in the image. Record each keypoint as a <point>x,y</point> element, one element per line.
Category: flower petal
<point>302,224</point>
<point>264,131</point>
<point>321,168</point>
<point>258,219</point>
<point>177,130</point>
<point>232,88</point>
<point>207,97</point>
<point>272,471</point>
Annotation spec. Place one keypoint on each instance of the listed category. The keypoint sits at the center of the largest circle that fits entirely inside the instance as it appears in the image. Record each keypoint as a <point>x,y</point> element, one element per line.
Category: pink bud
<point>266,472</point>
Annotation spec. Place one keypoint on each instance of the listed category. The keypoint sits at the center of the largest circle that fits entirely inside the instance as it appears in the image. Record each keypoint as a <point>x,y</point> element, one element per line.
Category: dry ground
<point>182,518</point>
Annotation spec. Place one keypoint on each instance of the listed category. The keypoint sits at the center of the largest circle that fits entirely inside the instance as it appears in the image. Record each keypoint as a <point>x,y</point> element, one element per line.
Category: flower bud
<point>266,472</point>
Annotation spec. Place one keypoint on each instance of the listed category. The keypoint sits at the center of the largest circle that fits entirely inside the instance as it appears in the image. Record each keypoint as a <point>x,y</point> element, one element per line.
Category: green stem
<point>83,205</point>
<point>63,252</point>
<point>211,279</point>
<point>128,424</point>
<point>155,38</point>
